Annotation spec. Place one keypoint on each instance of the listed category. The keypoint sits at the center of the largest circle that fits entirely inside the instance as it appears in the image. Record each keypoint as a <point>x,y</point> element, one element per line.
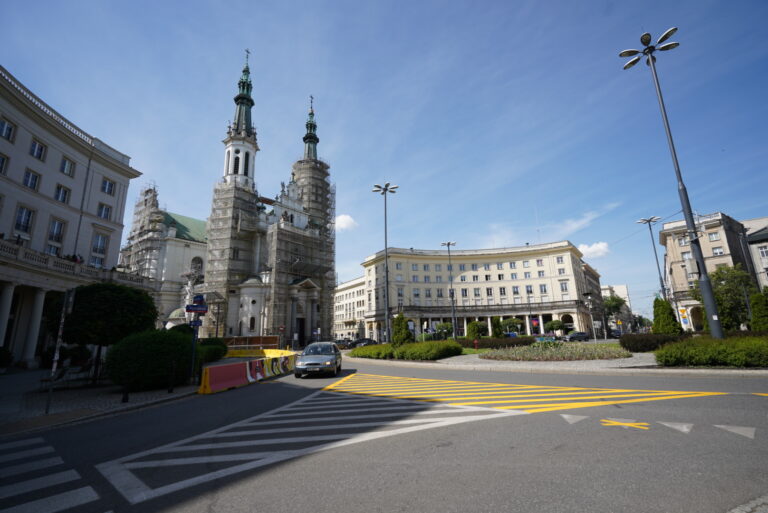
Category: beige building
<point>624,320</point>
<point>536,283</point>
<point>757,239</point>
<point>62,201</point>
<point>349,310</point>
<point>723,243</point>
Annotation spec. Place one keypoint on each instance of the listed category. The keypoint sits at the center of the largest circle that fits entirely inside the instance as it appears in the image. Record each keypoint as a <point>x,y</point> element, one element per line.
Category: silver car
<point>318,357</point>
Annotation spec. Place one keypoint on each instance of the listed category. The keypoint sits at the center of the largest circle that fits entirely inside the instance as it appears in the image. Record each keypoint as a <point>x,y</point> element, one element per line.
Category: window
<point>513,276</point>
<point>683,240</point>
<point>98,249</point>
<point>763,251</point>
<point>561,271</point>
<point>475,277</point>
<point>62,194</point>
<point>563,286</point>
<point>37,149</point>
<point>500,277</point>
<point>108,186</point>
<point>462,278</point>
<point>427,292</point>
<point>499,266</point>
<point>686,255</point>
<point>476,291</point>
<point>543,288</point>
<point>502,291</point>
<point>527,275</point>
<point>439,292</point>
<point>7,130</point>
<point>486,267</point>
<point>416,292</point>
<point>718,251</point>
<point>104,211</point>
<point>515,290</point>
<point>464,293</point>
<point>438,267</point>
<point>426,267</point>
<point>474,267</point>
<point>529,289</point>
<point>449,267</point>
<point>31,179</point>
<point>399,277</point>
<point>426,279</point>
<point>51,249</point>
<point>399,266</point>
<point>462,267</point>
<point>399,293</point>
<point>235,253</point>
<point>414,267</point>
<point>438,279</point>
<point>415,278</point>
<point>541,274</point>
<point>526,263</point>
<point>713,236</point>
<point>560,260</point>
<point>3,163</point>
<point>489,291</point>
<point>512,265</point>
<point>539,262</point>
<point>67,166</point>
<point>56,230</point>
<point>487,277</point>
<point>24,218</point>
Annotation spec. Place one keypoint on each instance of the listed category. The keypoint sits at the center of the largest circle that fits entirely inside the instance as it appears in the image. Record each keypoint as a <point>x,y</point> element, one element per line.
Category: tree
<point>759,311</point>
<point>476,330</point>
<point>554,325</point>
<point>444,330</point>
<point>664,321</point>
<point>613,304</point>
<point>512,324</point>
<point>731,287</point>
<point>496,330</point>
<point>400,332</point>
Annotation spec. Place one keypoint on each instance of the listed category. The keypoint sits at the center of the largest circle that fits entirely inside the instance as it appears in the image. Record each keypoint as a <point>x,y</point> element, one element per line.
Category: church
<point>266,266</point>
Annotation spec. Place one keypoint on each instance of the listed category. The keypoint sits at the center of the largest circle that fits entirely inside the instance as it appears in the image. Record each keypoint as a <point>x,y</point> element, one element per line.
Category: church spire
<point>311,139</point>
<point>242,124</point>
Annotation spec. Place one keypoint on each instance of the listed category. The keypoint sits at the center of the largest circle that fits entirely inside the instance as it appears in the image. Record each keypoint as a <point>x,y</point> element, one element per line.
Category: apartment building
<point>349,309</point>
<point>536,283</point>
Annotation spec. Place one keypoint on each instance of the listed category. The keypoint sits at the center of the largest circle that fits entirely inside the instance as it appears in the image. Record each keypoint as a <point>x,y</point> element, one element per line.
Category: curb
<point>625,371</point>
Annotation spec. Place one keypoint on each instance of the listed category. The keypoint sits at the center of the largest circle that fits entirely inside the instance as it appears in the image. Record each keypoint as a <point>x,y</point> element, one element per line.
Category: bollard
<point>477,345</point>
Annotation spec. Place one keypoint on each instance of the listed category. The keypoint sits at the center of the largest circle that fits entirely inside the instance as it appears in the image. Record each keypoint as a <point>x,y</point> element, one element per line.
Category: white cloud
<point>595,250</point>
<point>345,222</point>
<point>570,226</point>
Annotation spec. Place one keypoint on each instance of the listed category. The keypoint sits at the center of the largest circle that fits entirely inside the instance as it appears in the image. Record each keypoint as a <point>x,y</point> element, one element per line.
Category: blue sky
<point>503,122</point>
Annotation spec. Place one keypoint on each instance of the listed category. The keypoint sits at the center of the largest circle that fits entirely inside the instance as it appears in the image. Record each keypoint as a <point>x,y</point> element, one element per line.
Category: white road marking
<point>38,483</point>
<point>21,443</point>
<point>749,432</point>
<point>60,502</point>
<point>683,428</point>
<point>25,454</point>
<point>573,419</point>
<point>316,427</point>
<point>23,468</point>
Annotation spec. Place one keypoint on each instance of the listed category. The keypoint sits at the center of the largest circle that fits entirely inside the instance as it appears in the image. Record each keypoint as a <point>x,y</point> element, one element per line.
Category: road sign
<point>196,323</point>
<point>197,308</point>
<point>199,299</point>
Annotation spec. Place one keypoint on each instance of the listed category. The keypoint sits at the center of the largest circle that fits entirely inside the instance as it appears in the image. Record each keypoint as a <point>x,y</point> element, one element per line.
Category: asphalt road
<point>518,442</point>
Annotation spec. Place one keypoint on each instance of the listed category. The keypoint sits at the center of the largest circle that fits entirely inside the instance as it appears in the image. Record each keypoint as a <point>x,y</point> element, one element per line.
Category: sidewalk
<point>22,403</point>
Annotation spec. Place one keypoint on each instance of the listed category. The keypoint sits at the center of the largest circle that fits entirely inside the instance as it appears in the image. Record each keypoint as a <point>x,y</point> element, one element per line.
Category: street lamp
<point>649,221</point>
<point>383,191</point>
<point>588,295</point>
<point>705,285</point>
<point>450,291</point>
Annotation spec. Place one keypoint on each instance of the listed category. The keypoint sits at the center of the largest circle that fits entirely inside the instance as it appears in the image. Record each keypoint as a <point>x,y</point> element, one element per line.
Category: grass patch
<point>710,352</point>
<point>558,352</point>
<point>468,350</point>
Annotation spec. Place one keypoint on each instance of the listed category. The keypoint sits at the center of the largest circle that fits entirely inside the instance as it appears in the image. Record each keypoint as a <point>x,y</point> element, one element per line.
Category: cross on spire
<point>247,54</point>
<point>311,103</point>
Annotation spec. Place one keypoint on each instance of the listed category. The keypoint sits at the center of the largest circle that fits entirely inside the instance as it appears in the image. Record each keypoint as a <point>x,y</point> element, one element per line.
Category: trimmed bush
<point>400,332</point>
<point>704,351</point>
<point>428,350</point>
<point>664,320</point>
<point>150,360</point>
<point>645,342</point>
<point>379,352</point>
<point>476,330</point>
<point>496,343</point>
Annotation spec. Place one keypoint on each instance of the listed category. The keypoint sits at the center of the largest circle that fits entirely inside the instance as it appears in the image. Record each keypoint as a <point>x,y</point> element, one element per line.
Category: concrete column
<point>33,330</point>
<point>541,324</point>
<point>292,324</point>
<point>490,327</point>
<point>527,324</point>
<point>464,319</point>
<point>6,298</point>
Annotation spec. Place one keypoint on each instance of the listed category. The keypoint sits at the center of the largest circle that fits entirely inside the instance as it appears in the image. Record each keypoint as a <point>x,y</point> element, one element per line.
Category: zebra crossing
<point>33,479</point>
<point>322,421</point>
<point>520,398</point>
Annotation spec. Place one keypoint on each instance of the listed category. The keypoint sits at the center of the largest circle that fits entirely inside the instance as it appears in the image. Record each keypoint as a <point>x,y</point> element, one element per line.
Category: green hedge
<point>704,351</point>
<point>645,342</point>
<point>150,360</point>
<point>379,352</point>
<point>428,350</point>
<point>496,343</point>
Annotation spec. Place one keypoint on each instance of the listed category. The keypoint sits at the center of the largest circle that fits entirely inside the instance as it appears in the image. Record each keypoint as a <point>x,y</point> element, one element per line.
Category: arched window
<point>247,161</point>
<point>253,323</point>
<point>236,168</point>
<point>197,265</point>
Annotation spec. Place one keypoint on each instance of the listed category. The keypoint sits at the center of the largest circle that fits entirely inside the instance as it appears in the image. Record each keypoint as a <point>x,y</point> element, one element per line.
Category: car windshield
<point>318,349</point>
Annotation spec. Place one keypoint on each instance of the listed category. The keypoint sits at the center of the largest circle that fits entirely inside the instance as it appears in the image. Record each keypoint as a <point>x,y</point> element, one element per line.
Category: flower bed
<point>558,352</point>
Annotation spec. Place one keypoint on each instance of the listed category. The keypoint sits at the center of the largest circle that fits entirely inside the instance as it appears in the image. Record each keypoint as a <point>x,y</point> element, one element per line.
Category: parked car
<point>615,334</point>
<point>360,342</point>
<point>576,336</point>
<point>345,344</point>
<point>317,358</point>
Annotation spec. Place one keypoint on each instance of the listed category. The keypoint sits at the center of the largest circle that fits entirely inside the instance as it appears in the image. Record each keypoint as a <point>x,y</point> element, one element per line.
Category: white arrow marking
<point>749,432</point>
<point>573,419</point>
<point>683,428</point>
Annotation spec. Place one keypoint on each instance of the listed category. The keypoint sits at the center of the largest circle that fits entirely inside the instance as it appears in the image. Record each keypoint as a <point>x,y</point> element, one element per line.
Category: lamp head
<point>632,62</point>
<point>629,53</point>
<point>666,35</point>
<point>645,39</point>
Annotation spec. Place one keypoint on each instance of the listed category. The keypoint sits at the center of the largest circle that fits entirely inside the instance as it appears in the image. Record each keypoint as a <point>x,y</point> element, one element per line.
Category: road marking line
<point>25,454</point>
<point>532,408</point>
<point>749,432</point>
<point>551,398</point>
<point>23,468</point>
<point>625,423</point>
<point>321,427</point>
<point>60,502</point>
<point>573,419</point>
<point>38,483</point>
<point>546,396</point>
<point>21,443</point>
<point>764,395</point>
<point>683,428</point>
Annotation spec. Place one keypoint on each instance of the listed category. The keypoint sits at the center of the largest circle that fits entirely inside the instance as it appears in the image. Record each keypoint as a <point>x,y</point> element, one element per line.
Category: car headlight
<point>328,362</point>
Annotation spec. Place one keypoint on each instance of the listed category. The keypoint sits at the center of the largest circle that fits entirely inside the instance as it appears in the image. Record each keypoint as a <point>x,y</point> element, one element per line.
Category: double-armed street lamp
<point>649,221</point>
<point>705,284</point>
<point>387,188</point>
<point>450,290</point>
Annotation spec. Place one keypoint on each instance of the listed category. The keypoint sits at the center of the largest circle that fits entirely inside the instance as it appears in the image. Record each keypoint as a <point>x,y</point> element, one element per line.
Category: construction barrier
<point>225,376</point>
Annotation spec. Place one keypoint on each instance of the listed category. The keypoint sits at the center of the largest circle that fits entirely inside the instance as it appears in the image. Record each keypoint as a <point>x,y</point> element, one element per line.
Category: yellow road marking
<point>764,395</point>
<point>637,425</point>
<point>532,408</point>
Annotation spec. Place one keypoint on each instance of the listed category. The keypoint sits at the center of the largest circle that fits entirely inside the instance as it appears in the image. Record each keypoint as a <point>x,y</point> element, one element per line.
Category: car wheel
<point>297,375</point>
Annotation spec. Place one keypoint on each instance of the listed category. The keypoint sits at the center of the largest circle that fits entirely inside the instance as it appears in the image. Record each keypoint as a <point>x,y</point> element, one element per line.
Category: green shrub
<point>150,360</point>
<point>759,304</point>
<point>495,343</point>
<point>476,330</point>
<point>664,320</point>
<point>183,328</point>
<point>428,350</point>
<point>645,342</point>
<point>400,332</point>
<point>705,351</point>
<point>379,352</point>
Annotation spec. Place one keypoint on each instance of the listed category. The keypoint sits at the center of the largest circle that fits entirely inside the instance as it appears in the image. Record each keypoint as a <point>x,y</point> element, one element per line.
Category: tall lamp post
<point>450,291</point>
<point>387,188</point>
<point>716,330</point>
<point>649,221</point>
<point>588,295</point>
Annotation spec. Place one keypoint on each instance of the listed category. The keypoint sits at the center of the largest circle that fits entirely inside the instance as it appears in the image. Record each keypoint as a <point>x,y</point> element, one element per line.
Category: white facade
<point>349,309</point>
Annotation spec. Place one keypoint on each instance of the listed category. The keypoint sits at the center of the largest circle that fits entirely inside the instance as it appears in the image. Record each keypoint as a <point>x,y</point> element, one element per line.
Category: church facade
<point>269,263</point>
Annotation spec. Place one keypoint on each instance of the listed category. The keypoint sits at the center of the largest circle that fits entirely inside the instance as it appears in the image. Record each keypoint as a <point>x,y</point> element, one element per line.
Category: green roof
<point>187,228</point>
